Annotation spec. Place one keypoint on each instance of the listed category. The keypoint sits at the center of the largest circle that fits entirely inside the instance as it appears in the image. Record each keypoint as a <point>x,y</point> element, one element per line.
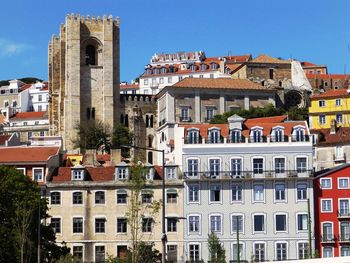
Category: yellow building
<point>328,106</point>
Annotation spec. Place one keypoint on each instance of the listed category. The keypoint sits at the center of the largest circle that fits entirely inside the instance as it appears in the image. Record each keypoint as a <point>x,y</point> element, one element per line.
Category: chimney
<point>90,158</point>
<point>116,156</point>
<point>333,127</point>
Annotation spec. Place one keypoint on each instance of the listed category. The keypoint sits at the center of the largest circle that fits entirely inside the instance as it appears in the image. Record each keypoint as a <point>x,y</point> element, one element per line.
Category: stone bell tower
<point>83,75</point>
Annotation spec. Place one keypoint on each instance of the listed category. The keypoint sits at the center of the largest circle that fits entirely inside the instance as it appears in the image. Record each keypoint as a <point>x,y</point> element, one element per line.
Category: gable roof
<point>24,155</point>
<point>332,170</point>
<point>220,83</point>
<point>333,93</point>
<point>268,59</point>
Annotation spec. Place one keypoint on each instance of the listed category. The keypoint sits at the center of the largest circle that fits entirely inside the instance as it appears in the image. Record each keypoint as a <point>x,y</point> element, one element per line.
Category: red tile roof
<point>26,154</point>
<point>129,86</point>
<point>328,76</point>
<point>273,119</point>
<point>24,87</point>
<point>307,64</point>
<point>219,83</point>
<point>2,118</point>
<point>241,58</point>
<point>30,115</point>
<point>103,157</point>
<point>268,59</point>
<point>333,93</point>
<point>341,136</point>
<point>4,138</point>
<point>63,174</point>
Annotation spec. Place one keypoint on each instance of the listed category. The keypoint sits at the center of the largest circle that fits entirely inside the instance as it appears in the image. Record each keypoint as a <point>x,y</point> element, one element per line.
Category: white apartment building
<point>168,69</point>
<point>251,176</point>
<point>39,97</point>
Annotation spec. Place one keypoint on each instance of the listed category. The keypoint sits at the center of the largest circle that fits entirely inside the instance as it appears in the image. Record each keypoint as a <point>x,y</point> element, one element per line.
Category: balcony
<point>229,175</point>
<point>344,238</point>
<point>257,139</point>
<point>214,140</point>
<point>193,140</point>
<point>278,138</point>
<point>344,214</point>
<point>329,239</point>
<point>303,138</point>
<point>240,139</point>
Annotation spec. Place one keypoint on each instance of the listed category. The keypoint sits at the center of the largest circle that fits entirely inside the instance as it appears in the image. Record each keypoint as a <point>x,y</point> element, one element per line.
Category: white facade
<point>39,97</point>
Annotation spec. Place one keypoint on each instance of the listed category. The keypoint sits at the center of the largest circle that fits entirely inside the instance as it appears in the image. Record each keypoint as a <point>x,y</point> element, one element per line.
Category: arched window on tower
<point>151,121</point>
<point>90,55</point>
<point>150,157</point>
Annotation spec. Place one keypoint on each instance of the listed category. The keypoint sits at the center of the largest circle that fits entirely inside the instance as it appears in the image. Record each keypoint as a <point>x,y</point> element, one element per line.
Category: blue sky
<point>311,30</point>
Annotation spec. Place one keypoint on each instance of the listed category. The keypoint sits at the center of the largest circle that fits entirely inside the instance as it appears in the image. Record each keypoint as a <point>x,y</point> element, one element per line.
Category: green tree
<point>122,136</point>
<point>216,249</point>
<point>298,114</point>
<point>19,220</point>
<point>94,135</point>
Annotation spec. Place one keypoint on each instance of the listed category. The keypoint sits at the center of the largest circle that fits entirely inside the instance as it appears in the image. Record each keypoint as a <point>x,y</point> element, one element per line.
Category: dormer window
<point>193,136</point>
<point>227,71</point>
<point>203,66</point>
<point>148,71</point>
<point>235,136</point>
<point>156,71</point>
<point>170,172</point>
<point>192,67</point>
<point>163,70</point>
<point>149,174</point>
<point>213,66</point>
<point>171,69</point>
<point>256,135</point>
<point>277,134</point>
<point>214,135</point>
<point>299,134</point>
<point>77,174</point>
<point>122,171</point>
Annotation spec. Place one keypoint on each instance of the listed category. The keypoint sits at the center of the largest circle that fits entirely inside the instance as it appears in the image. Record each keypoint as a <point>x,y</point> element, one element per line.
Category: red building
<point>332,212</point>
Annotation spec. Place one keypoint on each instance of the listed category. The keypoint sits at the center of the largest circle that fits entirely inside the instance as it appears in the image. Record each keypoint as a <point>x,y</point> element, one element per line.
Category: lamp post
<point>164,236</point>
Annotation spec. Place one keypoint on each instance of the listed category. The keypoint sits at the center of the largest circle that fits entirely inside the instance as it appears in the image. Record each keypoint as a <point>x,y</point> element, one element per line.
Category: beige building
<point>83,75</point>
<point>89,208</point>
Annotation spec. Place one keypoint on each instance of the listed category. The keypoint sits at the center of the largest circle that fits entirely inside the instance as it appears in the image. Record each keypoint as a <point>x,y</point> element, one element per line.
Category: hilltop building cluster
<point>280,185</point>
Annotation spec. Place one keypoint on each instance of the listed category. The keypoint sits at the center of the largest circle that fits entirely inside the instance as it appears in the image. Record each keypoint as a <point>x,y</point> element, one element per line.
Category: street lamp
<point>164,236</point>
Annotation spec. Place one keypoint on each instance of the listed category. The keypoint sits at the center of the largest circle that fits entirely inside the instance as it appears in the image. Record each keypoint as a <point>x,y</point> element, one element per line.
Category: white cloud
<point>9,48</point>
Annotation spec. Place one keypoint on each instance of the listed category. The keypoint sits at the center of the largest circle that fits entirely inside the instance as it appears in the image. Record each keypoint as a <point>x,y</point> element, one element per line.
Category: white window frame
<point>61,225</point>
<point>216,173</point>
<point>285,200</point>
<point>296,191</point>
<point>42,174</point>
<point>233,232</point>
<point>296,222</point>
<point>189,233</point>
<point>240,173</point>
<point>326,179</point>
<point>297,251</point>
<point>199,166</point>
<point>275,222</point>
<point>253,223</point>
<point>221,190</point>
<point>105,224</point>
<point>99,245</point>
<point>281,242</point>
<point>221,222</point>
<point>265,249</point>
<point>105,197</point>
<point>343,178</point>
<point>188,193</point>
<point>323,248</point>
<point>296,164</point>
<point>79,245</point>
<point>61,199</point>
<point>81,233</point>
<point>242,192</point>
<point>338,102</point>
<point>23,169</point>
<point>116,197</point>
<point>200,250</point>
<point>252,164</point>
<point>322,119</point>
<point>263,193</point>
<point>326,211</point>
<point>82,195</point>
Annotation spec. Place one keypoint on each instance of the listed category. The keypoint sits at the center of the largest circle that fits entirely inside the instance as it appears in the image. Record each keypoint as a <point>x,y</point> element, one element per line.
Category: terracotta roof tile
<point>341,136</point>
<point>24,87</point>
<point>129,86</point>
<point>268,59</point>
<point>2,118</point>
<point>239,59</point>
<point>30,115</point>
<point>4,138</point>
<point>222,83</point>
<point>103,157</point>
<point>26,154</point>
<point>333,93</point>
<point>328,76</point>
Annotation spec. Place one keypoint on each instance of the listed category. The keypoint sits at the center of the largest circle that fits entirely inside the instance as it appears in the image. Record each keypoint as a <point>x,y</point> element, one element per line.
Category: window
<point>161,80</point>
<point>42,133</point>
<point>321,103</point>
<point>301,164</point>
<point>170,80</point>
<point>326,183</point>
<point>170,173</point>
<point>236,192</point>
<point>38,174</point>
<point>172,253</point>
<point>147,225</point>
<point>258,192</point>
<point>145,82</point>
<point>40,98</point>
<point>77,225</point>
<point>77,198</point>
<point>327,252</point>
<point>171,224</point>
<point>256,135</point>
<point>301,191</point>
<point>271,73</point>
<point>280,165</point>
<point>281,251</point>
<point>259,252</point>
<point>146,197</point>
<point>78,252</point>
<point>30,134</point>
<point>278,132</point>
<point>281,223</point>
<point>322,119</point>
<point>193,193</point>
<point>326,205</point>
<point>215,223</point>
<point>303,250</point>
<point>14,104</point>
<point>280,192</point>
<point>90,55</point>
<point>55,198</point>
<point>56,224</point>
<point>194,252</point>
<point>343,183</point>
<point>193,223</point>
<point>234,252</point>
<point>214,168</point>
<point>209,114</point>
<point>121,197</point>
<point>193,136</point>
<point>122,225</point>
<point>192,166</point>
<point>236,167</point>
<point>258,165</point>
<point>77,175</point>
<point>171,196</point>
<point>259,223</point>
<point>100,225</point>
<point>214,136</point>
<point>344,231</point>
<point>184,114</point>
<point>237,223</point>
<point>215,193</point>
<point>99,197</point>
<point>302,222</point>
<point>339,118</point>
<point>6,103</point>
<point>345,251</point>
<point>99,254</point>
<point>235,136</point>
<point>299,134</point>
<point>122,173</point>
<point>338,102</point>
<point>344,207</point>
